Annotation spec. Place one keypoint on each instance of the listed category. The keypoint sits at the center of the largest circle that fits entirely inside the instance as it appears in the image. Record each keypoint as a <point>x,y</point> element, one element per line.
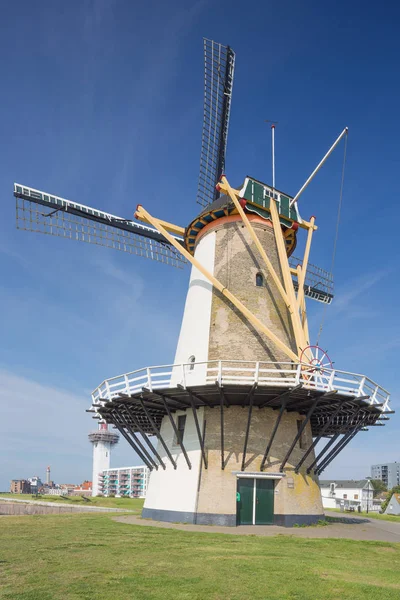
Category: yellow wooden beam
<point>287,277</point>
<point>302,276</point>
<point>303,313</point>
<point>168,226</point>
<point>307,224</point>
<point>257,242</point>
<point>218,285</point>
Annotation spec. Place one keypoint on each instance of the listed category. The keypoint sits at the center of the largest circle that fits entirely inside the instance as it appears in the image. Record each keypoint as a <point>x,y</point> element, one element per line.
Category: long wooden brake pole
<point>287,277</point>
<point>218,285</point>
<point>226,187</point>
<point>302,277</point>
<point>303,313</point>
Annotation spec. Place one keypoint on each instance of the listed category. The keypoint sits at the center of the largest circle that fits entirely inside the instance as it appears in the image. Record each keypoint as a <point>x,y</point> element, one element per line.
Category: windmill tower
<point>103,440</point>
<point>239,414</point>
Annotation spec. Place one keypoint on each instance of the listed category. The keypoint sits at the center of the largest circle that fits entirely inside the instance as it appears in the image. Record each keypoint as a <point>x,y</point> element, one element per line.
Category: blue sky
<point>102,103</point>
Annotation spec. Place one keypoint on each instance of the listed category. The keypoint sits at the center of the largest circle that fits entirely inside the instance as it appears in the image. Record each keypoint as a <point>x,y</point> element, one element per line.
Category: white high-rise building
<point>388,473</point>
<point>124,481</point>
<point>102,441</point>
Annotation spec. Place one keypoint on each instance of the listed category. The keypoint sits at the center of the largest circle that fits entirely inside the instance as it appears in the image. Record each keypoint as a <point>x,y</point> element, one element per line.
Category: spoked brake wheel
<point>315,360</point>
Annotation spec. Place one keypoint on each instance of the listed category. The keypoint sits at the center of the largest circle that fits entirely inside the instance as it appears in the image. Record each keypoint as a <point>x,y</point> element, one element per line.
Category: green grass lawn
<point>90,556</point>
<point>134,504</point>
<point>369,515</point>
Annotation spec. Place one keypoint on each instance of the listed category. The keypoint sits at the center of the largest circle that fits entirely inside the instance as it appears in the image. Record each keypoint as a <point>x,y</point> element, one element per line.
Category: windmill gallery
<point>230,429</point>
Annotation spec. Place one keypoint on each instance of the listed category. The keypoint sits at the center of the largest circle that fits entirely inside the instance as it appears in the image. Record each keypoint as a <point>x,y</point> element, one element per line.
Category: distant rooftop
<point>345,483</point>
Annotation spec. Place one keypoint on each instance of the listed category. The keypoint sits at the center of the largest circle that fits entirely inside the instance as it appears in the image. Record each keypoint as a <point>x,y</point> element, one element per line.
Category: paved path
<point>355,528</point>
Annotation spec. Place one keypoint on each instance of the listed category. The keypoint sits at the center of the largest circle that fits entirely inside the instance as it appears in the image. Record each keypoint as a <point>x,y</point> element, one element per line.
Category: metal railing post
<point>108,390</point>
<point>361,387</point>
<point>330,382</point>
<point>219,379</point>
<point>256,372</point>
<point>126,384</point>
<point>373,397</point>
<point>149,386</point>
<point>183,376</point>
<point>298,374</point>
<point>386,403</point>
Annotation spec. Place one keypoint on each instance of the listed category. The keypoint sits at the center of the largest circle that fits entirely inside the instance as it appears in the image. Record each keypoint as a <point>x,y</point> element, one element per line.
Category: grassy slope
<point>86,556</point>
<point>369,515</point>
<point>135,504</point>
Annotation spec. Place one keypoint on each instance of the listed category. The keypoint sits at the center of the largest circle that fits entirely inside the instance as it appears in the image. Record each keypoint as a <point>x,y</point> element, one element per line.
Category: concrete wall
<point>176,490</point>
<point>16,508</point>
<point>328,501</point>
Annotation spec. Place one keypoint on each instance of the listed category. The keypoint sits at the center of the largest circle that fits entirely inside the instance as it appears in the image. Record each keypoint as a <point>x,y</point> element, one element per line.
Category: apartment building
<point>124,481</point>
<point>388,473</point>
<point>20,486</point>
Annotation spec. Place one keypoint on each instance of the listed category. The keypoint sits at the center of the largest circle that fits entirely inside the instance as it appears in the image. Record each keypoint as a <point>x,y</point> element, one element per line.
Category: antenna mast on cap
<point>273,155</point>
<point>273,149</point>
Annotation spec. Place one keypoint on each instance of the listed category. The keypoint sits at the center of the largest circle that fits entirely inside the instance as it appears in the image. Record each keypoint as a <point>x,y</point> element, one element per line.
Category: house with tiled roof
<point>393,507</point>
<point>348,494</point>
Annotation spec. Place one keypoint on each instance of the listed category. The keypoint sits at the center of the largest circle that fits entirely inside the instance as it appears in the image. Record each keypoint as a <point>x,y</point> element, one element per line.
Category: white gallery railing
<point>269,374</point>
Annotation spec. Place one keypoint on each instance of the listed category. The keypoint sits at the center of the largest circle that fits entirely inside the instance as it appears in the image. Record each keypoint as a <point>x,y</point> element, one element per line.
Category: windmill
<point>238,415</point>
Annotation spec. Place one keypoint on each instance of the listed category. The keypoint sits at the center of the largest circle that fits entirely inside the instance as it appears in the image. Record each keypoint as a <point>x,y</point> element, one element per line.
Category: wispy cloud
<point>352,302</point>
<point>346,298</point>
<point>44,425</point>
<point>38,423</point>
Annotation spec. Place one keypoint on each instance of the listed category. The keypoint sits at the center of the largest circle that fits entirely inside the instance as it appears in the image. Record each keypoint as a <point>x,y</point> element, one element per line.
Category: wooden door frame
<point>243,475</point>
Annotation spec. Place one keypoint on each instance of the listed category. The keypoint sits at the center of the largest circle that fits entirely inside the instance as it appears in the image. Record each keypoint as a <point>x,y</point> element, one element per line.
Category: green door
<point>264,501</point>
<point>244,501</point>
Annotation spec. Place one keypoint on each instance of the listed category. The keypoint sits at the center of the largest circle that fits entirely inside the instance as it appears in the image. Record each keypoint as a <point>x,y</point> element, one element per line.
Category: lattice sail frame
<point>318,284</point>
<point>219,67</point>
<point>45,213</point>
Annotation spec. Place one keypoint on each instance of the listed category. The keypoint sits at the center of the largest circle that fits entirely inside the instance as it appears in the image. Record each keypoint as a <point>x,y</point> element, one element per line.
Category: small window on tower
<point>191,361</point>
<point>259,280</point>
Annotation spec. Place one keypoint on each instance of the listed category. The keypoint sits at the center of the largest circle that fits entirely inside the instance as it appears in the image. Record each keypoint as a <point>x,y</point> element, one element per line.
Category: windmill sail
<point>45,213</point>
<point>318,283</point>
<point>218,82</point>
